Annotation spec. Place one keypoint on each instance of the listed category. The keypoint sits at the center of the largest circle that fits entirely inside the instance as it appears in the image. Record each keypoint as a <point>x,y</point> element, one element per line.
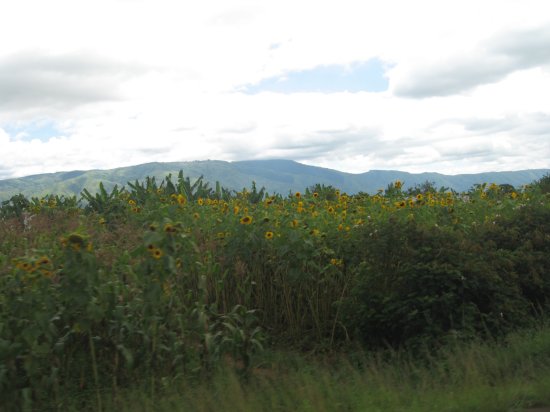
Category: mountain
<point>277,176</point>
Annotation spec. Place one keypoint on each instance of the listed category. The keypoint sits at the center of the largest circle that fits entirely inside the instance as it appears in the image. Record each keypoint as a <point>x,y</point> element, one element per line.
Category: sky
<point>419,86</point>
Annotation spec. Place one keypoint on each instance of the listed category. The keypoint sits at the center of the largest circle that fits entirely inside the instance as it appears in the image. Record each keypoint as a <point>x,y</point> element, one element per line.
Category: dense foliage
<point>167,280</point>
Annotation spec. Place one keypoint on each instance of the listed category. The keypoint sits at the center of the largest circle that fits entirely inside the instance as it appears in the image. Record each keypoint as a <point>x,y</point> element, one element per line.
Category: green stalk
<point>94,368</point>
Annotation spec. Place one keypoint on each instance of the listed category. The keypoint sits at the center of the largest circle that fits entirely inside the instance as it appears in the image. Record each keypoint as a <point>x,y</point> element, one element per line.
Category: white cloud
<point>126,82</point>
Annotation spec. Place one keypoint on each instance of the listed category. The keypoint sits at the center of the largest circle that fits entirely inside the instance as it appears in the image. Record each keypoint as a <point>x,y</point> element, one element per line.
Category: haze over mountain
<point>277,176</point>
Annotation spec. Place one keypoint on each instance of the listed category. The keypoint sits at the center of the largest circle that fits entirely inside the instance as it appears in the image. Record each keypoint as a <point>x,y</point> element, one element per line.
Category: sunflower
<point>246,220</point>
<point>336,262</point>
<point>315,194</point>
<point>169,228</point>
<point>157,253</point>
<point>269,235</point>
<point>297,195</point>
<point>43,261</point>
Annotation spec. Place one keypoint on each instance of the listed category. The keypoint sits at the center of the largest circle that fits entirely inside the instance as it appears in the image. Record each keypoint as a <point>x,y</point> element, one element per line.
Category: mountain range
<point>277,176</point>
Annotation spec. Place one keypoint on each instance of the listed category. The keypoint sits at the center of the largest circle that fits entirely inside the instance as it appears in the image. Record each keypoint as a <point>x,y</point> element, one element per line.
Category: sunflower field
<point>160,281</point>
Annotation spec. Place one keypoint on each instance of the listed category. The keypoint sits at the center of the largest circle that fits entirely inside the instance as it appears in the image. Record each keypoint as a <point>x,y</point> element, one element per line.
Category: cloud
<point>34,79</point>
<point>240,129</point>
<point>489,62</point>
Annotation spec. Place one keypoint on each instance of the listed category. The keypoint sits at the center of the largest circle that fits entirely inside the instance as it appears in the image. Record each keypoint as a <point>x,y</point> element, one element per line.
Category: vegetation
<point>179,285</point>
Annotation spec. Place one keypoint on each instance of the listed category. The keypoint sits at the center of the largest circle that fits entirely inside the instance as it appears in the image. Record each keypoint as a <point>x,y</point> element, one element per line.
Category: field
<point>179,296</point>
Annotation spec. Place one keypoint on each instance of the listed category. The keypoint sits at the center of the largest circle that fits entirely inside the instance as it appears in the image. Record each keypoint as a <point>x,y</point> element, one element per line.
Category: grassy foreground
<point>511,375</point>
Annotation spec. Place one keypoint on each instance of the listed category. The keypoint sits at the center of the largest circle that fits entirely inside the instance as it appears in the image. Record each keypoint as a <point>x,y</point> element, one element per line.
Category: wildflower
<point>157,253</point>
<point>43,261</point>
<point>181,200</point>
<point>269,235</point>
<point>75,241</point>
<point>246,220</point>
<point>400,204</point>
<point>330,209</point>
<point>419,197</point>
<point>26,266</point>
<point>132,202</point>
<point>169,228</point>
<point>336,262</point>
<point>47,273</point>
<point>200,202</point>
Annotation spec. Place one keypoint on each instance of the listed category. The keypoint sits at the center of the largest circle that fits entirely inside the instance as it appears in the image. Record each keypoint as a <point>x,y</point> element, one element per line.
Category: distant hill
<point>277,176</point>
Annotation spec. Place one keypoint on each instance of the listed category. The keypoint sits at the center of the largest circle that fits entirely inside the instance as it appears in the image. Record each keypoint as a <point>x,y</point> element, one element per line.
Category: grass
<point>510,375</point>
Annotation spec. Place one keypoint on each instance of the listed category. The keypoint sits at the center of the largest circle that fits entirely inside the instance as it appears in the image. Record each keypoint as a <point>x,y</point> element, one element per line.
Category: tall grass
<point>510,375</point>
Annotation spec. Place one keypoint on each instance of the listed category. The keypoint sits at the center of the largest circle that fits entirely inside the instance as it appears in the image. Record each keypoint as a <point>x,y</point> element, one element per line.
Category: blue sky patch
<point>365,76</point>
<point>42,130</point>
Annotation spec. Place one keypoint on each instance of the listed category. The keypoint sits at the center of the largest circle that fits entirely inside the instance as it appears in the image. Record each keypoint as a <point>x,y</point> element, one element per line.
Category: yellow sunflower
<point>246,220</point>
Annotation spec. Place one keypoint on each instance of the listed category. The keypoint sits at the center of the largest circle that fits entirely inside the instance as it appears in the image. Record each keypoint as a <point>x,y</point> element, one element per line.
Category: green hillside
<point>277,176</point>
